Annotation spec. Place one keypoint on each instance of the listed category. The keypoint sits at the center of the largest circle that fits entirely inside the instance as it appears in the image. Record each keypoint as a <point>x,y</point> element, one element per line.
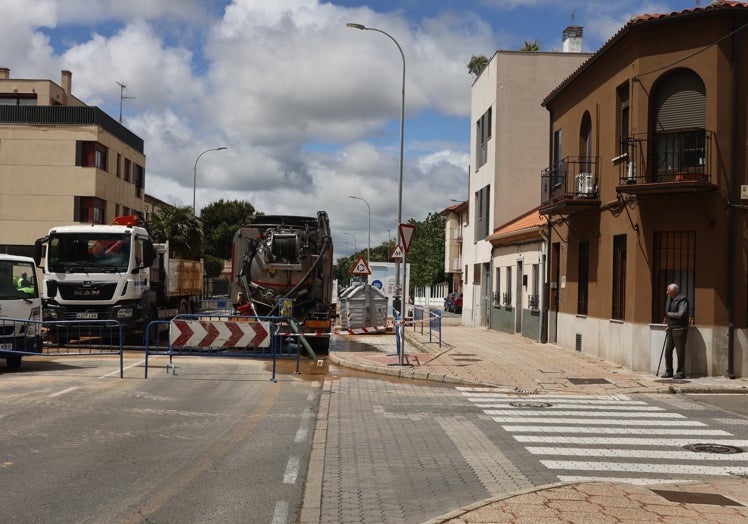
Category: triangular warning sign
<point>360,268</point>
<point>406,235</point>
<point>397,252</point>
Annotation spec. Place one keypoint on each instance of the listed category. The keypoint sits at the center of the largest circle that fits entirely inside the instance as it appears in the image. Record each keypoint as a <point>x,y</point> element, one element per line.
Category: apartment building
<point>61,162</point>
<point>509,142</point>
<point>455,222</point>
<point>647,184</point>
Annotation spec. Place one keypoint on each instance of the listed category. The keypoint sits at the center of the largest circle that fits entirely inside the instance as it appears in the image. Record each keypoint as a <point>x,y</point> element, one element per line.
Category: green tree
<point>220,222</point>
<point>213,266</point>
<point>426,253</point>
<point>531,47</point>
<point>477,64</point>
<point>179,226</point>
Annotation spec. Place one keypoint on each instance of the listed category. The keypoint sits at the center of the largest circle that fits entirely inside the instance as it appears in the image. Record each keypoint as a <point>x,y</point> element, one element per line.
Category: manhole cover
<point>583,381</point>
<point>530,404</point>
<point>696,498</point>
<point>713,448</point>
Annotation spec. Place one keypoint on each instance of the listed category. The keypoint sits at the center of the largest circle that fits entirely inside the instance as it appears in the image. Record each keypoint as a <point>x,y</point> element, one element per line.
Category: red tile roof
<point>636,21</point>
<point>527,226</point>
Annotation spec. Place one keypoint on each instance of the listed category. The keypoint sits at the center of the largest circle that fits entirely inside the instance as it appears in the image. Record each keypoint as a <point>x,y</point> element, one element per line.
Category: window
<point>497,291</point>
<point>119,166</point>
<point>17,99</point>
<point>90,154</point>
<point>482,205</point>
<point>583,277</point>
<point>619,277</point>
<point>138,178</point>
<point>507,298</point>
<point>622,100</point>
<point>89,209</point>
<point>533,299</point>
<point>482,136</point>
<point>127,169</point>
<point>674,263</point>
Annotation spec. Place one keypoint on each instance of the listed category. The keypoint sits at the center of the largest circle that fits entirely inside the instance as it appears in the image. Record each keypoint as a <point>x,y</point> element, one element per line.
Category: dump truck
<point>283,266</point>
<point>20,309</point>
<point>117,272</point>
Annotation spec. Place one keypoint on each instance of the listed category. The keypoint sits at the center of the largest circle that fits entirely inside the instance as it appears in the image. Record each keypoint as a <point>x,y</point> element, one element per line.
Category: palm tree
<point>181,228</point>
<point>531,47</point>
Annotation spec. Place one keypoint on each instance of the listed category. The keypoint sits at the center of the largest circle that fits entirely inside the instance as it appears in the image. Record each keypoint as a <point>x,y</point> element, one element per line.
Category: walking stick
<point>659,362</point>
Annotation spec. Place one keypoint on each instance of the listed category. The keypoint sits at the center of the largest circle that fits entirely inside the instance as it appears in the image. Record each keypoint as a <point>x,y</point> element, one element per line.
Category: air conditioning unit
<point>630,173</point>
<point>586,185</point>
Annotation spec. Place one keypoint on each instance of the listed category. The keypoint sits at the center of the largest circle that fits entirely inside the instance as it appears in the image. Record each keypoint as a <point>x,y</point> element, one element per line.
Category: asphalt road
<point>217,442</point>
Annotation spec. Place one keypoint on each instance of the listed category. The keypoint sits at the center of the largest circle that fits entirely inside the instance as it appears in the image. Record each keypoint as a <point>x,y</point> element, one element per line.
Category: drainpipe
<point>732,191</point>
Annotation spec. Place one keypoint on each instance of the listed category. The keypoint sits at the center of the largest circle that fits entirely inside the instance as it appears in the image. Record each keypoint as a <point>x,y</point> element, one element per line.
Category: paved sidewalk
<point>479,356</point>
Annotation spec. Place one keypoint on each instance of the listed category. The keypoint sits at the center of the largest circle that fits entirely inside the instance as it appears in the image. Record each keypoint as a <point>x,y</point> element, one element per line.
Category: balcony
<point>570,186</point>
<point>667,162</point>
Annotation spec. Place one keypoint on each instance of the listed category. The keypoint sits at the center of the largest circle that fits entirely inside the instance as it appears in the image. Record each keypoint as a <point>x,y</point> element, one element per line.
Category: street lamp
<point>368,249</point>
<point>402,130</point>
<point>194,176</point>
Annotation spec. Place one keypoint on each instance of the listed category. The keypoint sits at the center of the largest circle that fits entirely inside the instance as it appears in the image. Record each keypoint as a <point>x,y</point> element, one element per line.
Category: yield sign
<point>361,268</point>
<point>397,252</point>
<point>406,235</point>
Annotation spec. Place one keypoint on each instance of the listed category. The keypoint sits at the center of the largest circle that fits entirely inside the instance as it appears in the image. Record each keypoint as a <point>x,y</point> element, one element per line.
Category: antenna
<point>572,16</point>
<point>122,97</point>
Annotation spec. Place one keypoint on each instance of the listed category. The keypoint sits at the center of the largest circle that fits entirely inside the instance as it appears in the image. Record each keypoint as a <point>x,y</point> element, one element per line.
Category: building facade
<point>61,162</point>
<point>455,222</point>
<point>509,134</point>
<point>643,188</point>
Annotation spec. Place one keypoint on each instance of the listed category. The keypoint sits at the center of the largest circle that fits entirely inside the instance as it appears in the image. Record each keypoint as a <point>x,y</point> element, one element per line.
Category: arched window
<point>679,136</point>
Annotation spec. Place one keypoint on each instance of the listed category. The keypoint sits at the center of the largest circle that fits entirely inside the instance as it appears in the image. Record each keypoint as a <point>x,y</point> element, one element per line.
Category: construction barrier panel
<point>224,336</point>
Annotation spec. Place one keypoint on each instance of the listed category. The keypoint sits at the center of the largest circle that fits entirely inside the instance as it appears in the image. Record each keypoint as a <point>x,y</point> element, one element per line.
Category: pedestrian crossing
<point>610,437</point>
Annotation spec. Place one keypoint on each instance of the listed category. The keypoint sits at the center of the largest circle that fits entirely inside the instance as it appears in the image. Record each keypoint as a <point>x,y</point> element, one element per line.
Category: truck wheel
<point>13,361</point>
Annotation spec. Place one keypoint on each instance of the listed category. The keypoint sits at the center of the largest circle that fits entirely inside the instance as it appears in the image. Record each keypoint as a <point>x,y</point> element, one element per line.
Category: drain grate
<point>714,448</point>
<point>583,381</point>
<point>530,404</point>
<point>696,498</point>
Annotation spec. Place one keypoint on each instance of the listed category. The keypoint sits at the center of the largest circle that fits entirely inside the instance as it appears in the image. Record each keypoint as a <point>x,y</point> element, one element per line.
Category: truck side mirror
<point>147,254</point>
<point>38,245</point>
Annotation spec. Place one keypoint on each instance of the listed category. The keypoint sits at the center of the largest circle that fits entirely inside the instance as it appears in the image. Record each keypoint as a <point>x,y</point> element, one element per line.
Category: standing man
<point>676,316</point>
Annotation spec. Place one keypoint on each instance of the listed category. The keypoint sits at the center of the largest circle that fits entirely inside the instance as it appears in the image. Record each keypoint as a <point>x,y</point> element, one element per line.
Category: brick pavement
<point>479,356</point>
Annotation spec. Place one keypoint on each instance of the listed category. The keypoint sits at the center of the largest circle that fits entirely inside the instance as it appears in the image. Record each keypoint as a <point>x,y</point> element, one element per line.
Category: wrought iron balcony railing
<point>574,178</point>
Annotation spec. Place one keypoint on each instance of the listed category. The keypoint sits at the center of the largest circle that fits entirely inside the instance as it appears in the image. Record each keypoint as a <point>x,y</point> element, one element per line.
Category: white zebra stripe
<point>591,413</point>
<point>615,431</point>
<point>576,405</point>
<point>676,469</point>
<point>601,421</point>
<point>624,441</point>
<point>637,481</point>
<point>636,453</point>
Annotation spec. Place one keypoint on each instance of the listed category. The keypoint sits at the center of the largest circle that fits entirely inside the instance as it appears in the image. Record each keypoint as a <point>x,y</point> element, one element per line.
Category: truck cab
<point>20,309</point>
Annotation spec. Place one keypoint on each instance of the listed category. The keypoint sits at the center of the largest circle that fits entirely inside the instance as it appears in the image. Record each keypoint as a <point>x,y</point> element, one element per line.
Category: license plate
<point>6,346</point>
<point>86,316</point>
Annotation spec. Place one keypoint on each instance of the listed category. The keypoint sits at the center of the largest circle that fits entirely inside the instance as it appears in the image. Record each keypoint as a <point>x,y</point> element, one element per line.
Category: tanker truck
<point>97,272</point>
<point>277,260</point>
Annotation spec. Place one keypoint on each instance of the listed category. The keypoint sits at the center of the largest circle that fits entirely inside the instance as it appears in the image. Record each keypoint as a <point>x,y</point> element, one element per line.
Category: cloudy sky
<point>308,109</point>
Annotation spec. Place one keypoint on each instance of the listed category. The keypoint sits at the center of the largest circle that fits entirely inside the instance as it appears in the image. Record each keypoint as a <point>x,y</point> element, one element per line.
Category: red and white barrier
<point>214,333</point>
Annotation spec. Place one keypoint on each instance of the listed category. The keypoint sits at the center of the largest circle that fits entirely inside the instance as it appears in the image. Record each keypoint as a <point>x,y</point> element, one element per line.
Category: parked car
<point>449,301</point>
<point>457,306</point>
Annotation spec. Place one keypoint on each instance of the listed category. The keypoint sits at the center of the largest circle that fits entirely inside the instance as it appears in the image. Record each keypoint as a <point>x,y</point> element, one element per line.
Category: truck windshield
<point>17,280</point>
<point>86,253</point>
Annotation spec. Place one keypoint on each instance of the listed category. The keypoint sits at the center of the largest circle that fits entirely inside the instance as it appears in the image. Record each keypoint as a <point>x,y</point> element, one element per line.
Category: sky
<point>307,108</point>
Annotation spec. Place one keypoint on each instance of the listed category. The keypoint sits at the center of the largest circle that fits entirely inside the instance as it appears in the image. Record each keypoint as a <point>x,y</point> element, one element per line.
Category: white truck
<point>20,309</point>
<point>114,272</point>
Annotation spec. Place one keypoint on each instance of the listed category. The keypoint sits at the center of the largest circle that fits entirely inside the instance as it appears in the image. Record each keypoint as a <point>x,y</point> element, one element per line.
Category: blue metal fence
<point>62,338</point>
<point>216,335</point>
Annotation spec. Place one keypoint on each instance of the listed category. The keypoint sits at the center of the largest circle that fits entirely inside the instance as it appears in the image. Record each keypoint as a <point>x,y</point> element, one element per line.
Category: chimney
<point>4,73</point>
<point>67,81</point>
<point>572,38</point>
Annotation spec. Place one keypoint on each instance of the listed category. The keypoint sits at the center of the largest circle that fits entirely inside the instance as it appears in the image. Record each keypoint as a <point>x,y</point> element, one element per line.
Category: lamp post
<point>400,179</point>
<point>368,248</point>
<point>194,175</point>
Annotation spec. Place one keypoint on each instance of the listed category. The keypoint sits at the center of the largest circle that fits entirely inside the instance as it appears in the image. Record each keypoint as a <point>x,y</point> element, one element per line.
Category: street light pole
<point>194,176</point>
<point>368,248</point>
<point>402,134</point>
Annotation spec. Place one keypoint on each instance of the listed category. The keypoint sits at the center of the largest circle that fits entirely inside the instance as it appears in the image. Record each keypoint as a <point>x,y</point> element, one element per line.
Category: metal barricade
<point>61,338</point>
<point>214,335</point>
<point>215,305</point>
